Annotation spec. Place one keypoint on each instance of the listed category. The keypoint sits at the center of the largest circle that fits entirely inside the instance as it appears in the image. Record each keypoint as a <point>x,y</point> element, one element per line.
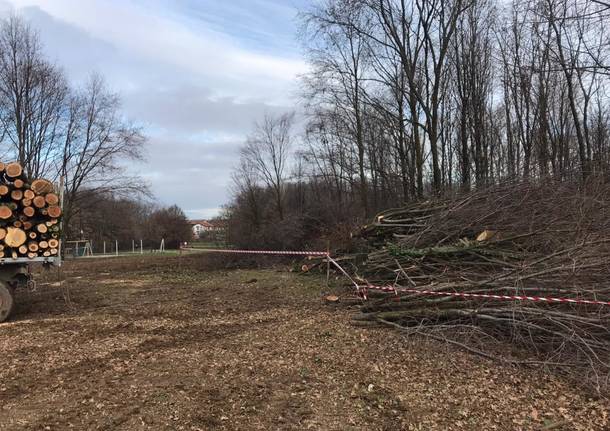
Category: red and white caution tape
<point>362,290</point>
<point>273,252</point>
<point>395,290</point>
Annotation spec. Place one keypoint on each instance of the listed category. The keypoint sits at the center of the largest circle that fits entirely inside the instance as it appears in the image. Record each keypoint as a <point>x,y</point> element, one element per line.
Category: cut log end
<point>41,186</point>
<point>54,211</point>
<point>17,195</point>
<point>29,211</point>
<point>39,202</point>
<point>42,228</point>
<point>13,170</point>
<point>5,212</point>
<point>15,237</point>
<point>51,198</point>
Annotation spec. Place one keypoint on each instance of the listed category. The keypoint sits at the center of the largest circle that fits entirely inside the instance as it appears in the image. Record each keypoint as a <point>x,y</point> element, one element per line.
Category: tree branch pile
<point>29,215</point>
<point>547,239</point>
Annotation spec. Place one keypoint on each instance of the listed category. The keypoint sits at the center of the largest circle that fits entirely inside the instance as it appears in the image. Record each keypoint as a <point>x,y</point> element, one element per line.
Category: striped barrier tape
<point>362,290</point>
<point>484,295</point>
<point>276,252</point>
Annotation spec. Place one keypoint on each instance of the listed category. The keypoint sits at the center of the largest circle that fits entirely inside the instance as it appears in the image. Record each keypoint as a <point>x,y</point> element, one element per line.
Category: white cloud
<point>201,52</point>
<point>196,89</point>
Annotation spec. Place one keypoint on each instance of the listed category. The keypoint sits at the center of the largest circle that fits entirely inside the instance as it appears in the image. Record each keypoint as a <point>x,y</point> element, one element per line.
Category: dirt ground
<point>168,344</point>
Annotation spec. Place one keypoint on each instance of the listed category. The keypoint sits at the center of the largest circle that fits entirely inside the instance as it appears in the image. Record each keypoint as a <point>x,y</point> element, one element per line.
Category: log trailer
<point>30,229</point>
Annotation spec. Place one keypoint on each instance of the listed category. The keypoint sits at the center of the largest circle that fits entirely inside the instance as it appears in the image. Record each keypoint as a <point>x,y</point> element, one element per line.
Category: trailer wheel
<point>6,302</point>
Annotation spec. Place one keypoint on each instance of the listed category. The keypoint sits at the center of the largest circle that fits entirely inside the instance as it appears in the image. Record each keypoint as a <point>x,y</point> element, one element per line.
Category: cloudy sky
<point>195,74</point>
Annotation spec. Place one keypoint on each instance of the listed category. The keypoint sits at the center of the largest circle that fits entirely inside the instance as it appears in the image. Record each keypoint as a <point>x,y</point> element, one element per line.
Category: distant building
<point>201,227</point>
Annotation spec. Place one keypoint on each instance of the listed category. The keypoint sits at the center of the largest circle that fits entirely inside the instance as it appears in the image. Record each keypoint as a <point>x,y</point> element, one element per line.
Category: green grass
<point>206,244</point>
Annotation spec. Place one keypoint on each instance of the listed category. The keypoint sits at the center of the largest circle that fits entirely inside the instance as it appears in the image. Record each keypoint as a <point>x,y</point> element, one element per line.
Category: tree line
<point>115,219</point>
<point>410,99</point>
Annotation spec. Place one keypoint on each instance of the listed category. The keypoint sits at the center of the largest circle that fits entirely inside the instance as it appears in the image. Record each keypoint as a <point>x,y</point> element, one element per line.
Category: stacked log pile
<point>549,240</point>
<point>29,215</point>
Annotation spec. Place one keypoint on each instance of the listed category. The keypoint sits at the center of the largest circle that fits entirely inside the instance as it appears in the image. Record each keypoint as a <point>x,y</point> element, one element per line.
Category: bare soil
<point>174,344</point>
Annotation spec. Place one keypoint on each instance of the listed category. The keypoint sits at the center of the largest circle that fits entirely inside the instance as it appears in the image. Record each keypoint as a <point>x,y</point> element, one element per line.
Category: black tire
<point>7,302</point>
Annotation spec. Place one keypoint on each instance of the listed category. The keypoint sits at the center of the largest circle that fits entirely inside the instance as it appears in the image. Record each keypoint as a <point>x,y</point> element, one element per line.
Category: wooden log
<point>41,186</point>
<point>18,183</point>
<point>46,253</point>
<point>14,254</point>
<point>32,235</point>
<point>17,194</point>
<point>29,194</point>
<point>2,234</point>
<point>18,223</point>
<point>15,237</point>
<point>39,202</point>
<point>33,246</point>
<point>27,225</point>
<point>54,243</point>
<point>42,228</point>
<point>26,202</point>
<point>2,166</point>
<point>53,251</point>
<point>52,199</point>
<point>29,211</point>
<point>32,255</point>
<point>54,211</point>
<point>4,190</point>
<point>13,170</point>
<point>23,249</point>
<point>5,212</point>
<point>43,244</point>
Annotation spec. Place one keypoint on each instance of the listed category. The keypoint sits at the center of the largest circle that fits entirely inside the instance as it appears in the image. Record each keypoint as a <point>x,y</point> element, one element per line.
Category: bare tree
<point>53,130</point>
<point>97,143</point>
<point>33,93</point>
<point>337,81</point>
<point>268,149</point>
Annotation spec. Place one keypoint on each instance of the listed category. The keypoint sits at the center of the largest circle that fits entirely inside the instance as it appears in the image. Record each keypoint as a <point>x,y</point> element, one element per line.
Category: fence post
<point>116,247</point>
<point>141,249</point>
<point>133,246</point>
<point>327,263</point>
<point>104,247</point>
